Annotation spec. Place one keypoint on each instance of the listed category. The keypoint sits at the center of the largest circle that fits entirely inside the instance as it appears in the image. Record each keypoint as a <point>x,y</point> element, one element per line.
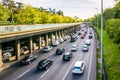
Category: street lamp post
<point>97,18</point>
<point>101,45</point>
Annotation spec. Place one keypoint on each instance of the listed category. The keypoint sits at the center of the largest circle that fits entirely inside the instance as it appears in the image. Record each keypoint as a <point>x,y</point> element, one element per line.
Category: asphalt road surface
<point>60,70</point>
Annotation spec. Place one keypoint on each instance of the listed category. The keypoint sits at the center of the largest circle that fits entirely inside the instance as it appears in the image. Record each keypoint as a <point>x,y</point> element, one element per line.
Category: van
<point>78,67</point>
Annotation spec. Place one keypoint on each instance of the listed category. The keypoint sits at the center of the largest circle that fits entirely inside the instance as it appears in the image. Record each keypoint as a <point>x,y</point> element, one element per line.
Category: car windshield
<point>59,49</point>
<point>85,46</point>
<point>45,47</point>
<point>42,62</point>
<point>76,67</point>
<point>74,46</point>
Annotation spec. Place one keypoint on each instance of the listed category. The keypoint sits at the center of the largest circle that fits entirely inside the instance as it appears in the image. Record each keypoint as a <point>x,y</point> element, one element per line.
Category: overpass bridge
<point>31,37</point>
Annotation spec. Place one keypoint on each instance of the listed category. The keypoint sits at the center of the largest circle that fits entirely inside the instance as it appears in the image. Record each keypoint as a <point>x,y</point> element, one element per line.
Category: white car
<point>47,48</point>
<point>85,48</point>
<point>78,67</point>
<point>55,43</point>
<point>88,42</point>
<point>74,48</point>
<point>61,40</point>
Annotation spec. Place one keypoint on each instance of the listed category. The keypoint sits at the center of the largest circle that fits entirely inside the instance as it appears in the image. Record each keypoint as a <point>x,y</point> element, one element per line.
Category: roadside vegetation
<point>12,12</point>
<point>111,39</point>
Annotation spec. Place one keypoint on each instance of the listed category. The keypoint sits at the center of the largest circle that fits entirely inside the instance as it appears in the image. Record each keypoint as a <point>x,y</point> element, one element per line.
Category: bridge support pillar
<point>63,33</point>
<point>30,45</point>
<point>39,42</point>
<point>46,39</point>
<point>1,63</point>
<point>59,34</point>
<point>52,37</point>
<point>17,49</point>
<point>56,36</point>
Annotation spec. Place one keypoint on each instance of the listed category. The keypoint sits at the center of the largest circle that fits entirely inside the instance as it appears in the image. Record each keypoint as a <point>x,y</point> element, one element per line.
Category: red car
<point>82,36</point>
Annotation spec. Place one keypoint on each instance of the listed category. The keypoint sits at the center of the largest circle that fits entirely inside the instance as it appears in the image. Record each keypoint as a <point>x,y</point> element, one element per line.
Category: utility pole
<point>101,45</point>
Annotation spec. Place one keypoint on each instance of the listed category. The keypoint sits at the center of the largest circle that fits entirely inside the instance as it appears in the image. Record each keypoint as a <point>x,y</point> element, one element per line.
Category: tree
<point>4,13</point>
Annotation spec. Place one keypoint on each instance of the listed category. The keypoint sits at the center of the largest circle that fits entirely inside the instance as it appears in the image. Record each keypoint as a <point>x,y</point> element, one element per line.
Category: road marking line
<point>88,78</point>
<point>44,73</point>
<point>69,69</point>
<point>24,73</point>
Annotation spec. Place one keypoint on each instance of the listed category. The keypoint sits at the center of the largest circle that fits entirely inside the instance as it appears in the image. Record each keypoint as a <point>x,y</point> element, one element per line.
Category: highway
<point>60,70</point>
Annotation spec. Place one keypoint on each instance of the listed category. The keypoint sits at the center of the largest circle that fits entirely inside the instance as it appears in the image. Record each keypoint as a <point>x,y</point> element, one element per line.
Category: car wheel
<point>46,67</point>
<point>29,62</point>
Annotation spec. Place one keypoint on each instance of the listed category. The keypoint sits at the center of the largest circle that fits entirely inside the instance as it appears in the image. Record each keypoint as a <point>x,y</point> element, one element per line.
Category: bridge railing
<point>17,28</point>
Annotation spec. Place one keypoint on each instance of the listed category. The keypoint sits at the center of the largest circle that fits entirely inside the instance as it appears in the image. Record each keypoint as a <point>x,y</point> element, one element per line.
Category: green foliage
<point>4,13</point>
<point>113,29</point>
<point>111,57</point>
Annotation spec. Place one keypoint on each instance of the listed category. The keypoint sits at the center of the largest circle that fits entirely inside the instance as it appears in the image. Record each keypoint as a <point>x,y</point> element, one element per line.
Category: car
<point>67,56</point>
<point>44,64</point>
<point>79,33</point>
<point>28,59</point>
<point>55,43</point>
<point>61,40</point>
<point>74,48</point>
<point>60,51</point>
<point>74,38</point>
<point>78,67</point>
<point>65,38</point>
<point>8,49</point>
<point>6,56</point>
<point>85,32</point>
<point>47,48</point>
<point>88,42</point>
<point>90,32</point>
<point>85,48</point>
<point>90,36</point>
<point>82,36</point>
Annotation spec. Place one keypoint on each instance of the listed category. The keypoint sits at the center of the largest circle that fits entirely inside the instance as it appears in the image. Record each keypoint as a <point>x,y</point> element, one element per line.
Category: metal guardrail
<point>19,28</point>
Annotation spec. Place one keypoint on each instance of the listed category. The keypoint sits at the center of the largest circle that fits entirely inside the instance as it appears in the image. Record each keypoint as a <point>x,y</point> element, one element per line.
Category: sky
<point>82,8</point>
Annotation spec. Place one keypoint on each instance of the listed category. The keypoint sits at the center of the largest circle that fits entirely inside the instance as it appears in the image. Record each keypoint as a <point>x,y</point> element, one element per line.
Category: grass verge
<point>111,57</point>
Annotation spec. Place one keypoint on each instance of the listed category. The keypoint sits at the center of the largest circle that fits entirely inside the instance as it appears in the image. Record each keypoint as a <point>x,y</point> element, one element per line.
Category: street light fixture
<point>101,45</point>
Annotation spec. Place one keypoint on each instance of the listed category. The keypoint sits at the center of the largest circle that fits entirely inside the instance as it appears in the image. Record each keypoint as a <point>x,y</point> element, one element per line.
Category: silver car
<point>47,48</point>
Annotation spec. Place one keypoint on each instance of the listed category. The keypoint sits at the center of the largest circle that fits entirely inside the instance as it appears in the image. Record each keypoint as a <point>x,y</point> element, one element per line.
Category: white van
<point>78,67</point>
<point>88,42</point>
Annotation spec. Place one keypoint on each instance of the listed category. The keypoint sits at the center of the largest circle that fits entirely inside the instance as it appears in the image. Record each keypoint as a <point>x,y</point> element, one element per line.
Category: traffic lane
<point>92,75</point>
<point>19,69</point>
<point>86,56</point>
<point>82,55</point>
<point>59,69</point>
<point>56,60</point>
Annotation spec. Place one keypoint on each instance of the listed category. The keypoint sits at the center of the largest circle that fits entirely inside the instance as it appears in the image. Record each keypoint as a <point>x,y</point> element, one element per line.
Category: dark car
<point>79,33</point>
<point>28,59</point>
<point>60,51</point>
<point>74,38</point>
<point>67,56</point>
<point>90,36</point>
<point>44,64</point>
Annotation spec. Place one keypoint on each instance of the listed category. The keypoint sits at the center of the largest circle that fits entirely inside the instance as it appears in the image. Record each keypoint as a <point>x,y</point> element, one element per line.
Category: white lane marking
<point>44,73</point>
<point>88,78</point>
<point>69,69</point>
<point>24,73</point>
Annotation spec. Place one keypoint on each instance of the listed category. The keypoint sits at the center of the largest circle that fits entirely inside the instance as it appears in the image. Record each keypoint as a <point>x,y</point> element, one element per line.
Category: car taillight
<point>20,60</point>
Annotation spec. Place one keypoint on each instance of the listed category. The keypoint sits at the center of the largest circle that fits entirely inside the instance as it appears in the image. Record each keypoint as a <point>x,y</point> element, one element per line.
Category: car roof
<point>67,53</point>
<point>74,45</point>
<point>78,63</point>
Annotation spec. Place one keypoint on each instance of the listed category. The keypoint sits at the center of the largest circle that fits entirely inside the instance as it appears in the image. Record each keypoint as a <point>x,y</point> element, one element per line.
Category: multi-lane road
<point>60,70</point>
